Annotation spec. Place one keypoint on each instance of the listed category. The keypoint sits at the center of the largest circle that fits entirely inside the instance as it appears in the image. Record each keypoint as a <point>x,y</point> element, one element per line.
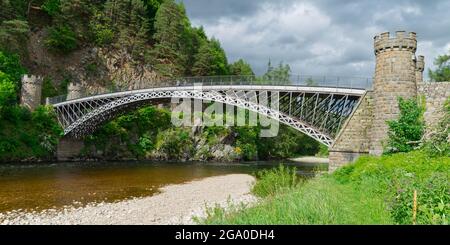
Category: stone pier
<point>69,149</point>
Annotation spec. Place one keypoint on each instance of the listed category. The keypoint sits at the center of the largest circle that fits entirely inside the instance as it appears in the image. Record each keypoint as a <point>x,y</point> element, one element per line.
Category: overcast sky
<point>320,37</point>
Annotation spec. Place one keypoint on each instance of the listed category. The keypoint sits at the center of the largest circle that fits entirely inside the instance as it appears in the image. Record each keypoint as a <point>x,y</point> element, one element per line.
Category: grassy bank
<point>374,190</point>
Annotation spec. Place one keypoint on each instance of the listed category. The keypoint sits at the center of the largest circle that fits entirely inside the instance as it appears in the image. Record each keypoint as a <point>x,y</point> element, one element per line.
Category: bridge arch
<point>315,111</point>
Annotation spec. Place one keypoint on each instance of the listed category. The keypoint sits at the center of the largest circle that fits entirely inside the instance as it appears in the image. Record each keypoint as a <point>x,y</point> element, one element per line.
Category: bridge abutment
<point>353,139</point>
<point>69,149</point>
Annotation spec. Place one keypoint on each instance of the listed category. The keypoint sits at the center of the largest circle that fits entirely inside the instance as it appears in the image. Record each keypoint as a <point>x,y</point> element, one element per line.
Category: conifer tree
<point>170,26</point>
<point>210,60</point>
<point>241,68</point>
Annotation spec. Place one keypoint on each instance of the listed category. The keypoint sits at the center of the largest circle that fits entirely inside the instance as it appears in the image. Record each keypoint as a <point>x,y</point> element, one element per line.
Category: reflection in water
<point>40,187</point>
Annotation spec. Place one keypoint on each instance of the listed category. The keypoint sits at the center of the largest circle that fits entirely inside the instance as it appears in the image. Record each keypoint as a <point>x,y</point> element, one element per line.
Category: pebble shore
<point>176,204</point>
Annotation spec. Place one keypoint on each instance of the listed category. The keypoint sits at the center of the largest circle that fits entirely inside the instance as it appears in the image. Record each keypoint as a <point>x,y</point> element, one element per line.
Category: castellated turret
<point>397,72</point>
<point>74,91</point>
<point>31,91</point>
<point>420,67</point>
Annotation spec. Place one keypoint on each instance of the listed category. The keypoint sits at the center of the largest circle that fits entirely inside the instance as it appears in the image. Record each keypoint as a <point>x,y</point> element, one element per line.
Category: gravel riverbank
<point>176,204</point>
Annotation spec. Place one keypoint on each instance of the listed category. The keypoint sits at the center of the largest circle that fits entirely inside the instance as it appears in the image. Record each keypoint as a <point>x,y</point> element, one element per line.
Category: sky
<point>320,37</point>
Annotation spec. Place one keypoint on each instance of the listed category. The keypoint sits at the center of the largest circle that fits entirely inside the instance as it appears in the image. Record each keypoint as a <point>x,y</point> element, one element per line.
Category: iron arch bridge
<point>315,106</point>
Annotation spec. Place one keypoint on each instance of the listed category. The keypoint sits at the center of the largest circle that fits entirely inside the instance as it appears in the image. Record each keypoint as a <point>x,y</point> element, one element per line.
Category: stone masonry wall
<point>354,138</point>
<point>69,149</point>
<point>31,90</point>
<point>435,93</point>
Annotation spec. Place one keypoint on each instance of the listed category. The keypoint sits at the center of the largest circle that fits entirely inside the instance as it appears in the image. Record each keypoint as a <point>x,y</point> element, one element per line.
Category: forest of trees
<point>153,31</point>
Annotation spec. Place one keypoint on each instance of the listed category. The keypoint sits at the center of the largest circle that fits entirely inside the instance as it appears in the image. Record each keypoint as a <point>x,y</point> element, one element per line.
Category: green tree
<point>61,39</point>
<point>7,91</point>
<point>152,7</point>
<point>52,7</point>
<point>193,39</point>
<point>13,35</point>
<point>442,72</point>
<point>101,28</point>
<point>170,29</point>
<point>405,133</point>
<point>241,68</point>
<point>13,9</point>
<point>11,66</point>
<point>210,60</point>
<point>280,74</point>
<point>310,82</point>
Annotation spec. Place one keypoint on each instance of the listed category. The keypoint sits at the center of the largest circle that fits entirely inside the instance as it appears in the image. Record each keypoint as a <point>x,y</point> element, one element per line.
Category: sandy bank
<point>310,159</point>
<point>177,204</point>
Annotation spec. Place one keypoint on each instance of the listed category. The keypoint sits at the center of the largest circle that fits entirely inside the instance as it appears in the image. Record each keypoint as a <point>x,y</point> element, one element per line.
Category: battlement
<point>32,79</point>
<point>420,63</point>
<point>401,41</point>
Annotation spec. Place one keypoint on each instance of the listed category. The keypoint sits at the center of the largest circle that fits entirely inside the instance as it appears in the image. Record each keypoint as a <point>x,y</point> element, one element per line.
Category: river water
<point>44,186</point>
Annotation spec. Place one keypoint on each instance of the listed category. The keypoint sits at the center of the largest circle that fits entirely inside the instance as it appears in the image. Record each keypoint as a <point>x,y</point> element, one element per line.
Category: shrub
<point>274,181</point>
<point>406,132</point>
<point>10,65</point>
<point>7,91</point>
<point>61,39</point>
<point>439,142</point>
<point>52,7</point>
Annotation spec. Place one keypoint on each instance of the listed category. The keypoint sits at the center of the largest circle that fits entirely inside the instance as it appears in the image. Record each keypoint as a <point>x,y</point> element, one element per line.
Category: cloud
<point>319,37</point>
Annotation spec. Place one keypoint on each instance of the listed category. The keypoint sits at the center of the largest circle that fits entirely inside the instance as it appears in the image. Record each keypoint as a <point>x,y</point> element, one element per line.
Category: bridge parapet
<point>350,82</point>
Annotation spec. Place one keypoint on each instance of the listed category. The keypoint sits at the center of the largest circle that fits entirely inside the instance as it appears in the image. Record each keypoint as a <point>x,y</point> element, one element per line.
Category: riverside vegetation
<point>407,185</point>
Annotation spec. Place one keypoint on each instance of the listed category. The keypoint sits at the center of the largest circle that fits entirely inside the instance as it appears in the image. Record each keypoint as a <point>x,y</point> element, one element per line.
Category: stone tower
<point>31,91</point>
<point>420,67</point>
<point>74,91</point>
<point>396,75</point>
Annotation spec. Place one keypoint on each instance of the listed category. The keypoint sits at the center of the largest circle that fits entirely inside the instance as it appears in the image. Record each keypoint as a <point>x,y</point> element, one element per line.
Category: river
<point>42,186</point>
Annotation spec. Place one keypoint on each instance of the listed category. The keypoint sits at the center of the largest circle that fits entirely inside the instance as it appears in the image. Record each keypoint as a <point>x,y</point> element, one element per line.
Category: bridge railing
<point>277,80</point>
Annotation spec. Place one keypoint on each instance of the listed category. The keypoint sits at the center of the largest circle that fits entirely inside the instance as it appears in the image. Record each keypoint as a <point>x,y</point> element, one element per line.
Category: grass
<point>374,190</point>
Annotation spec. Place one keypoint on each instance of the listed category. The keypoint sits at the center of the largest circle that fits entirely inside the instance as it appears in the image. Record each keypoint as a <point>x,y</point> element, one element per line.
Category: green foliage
<point>275,181</point>
<point>48,89</point>
<point>23,134</point>
<point>323,151</point>
<point>317,201</point>
<point>28,135</point>
<point>61,39</point>
<point>374,190</point>
<point>7,92</point>
<point>279,74</point>
<point>406,132</point>
<point>246,142</point>
<point>13,35</point>
<point>310,82</point>
<point>171,25</point>
<point>442,72</point>
<point>439,142</point>
<point>241,68</point>
<point>13,9</point>
<point>397,176</point>
<point>288,143</point>
<point>175,142</point>
<point>10,65</point>
<point>137,131</point>
<point>52,7</point>
<point>210,60</point>
<point>433,198</point>
<point>101,28</point>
